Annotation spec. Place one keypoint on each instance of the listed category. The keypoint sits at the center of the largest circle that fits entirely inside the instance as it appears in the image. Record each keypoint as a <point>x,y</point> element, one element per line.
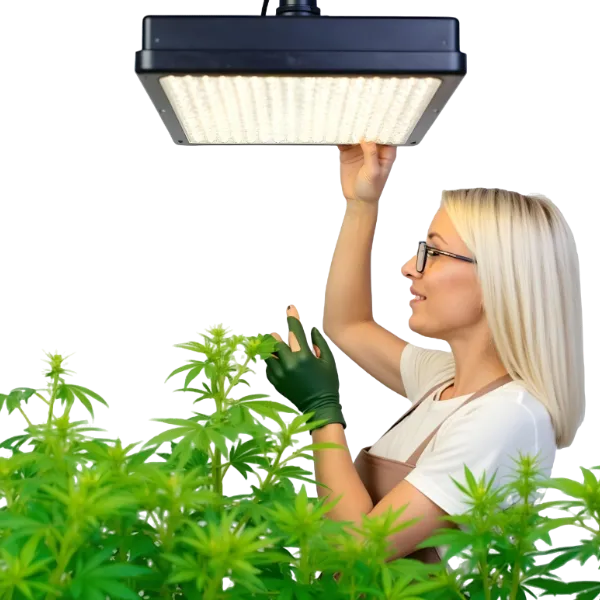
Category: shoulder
<point>507,402</point>
<point>508,418</point>
<point>423,368</point>
<point>488,436</point>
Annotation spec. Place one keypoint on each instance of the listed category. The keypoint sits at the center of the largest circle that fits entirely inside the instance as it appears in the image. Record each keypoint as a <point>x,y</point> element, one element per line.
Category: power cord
<point>264,8</point>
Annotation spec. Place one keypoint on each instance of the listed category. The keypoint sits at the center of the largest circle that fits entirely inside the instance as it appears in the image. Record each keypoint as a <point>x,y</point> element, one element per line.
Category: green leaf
<point>293,472</point>
<point>96,560</point>
<point>322,446</point>
<point>167,436</point>
<point>182,577</point>
<point>194,363</point>
<point>24,589</point>
<point>266,409</point>
<point>567,486</point>
<point>71,392</point>
<point>562,588</point>
<point>245,455</point>
<point>194,373</point>
<point>15,398</point>
<point>561,560</point>
<point>20,439</point>
<point>141,545</point>
<point>9,520</point>
<point>194,347</point>
<point>44,587</point>
<point>116,590</point>
<point>218,440</point>
<point>29,550</point>
<point>141,456</point>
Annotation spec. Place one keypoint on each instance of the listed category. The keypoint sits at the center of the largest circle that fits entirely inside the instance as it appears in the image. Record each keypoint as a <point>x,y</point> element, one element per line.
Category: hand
<point>364,169</point>
<point>310,382</point>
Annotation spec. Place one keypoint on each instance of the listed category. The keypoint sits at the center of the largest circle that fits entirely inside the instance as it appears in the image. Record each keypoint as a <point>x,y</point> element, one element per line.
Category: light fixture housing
<point>310,80</point>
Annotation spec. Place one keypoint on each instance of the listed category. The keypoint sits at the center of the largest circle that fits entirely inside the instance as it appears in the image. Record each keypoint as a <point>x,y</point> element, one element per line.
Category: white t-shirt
<point>484,434</point>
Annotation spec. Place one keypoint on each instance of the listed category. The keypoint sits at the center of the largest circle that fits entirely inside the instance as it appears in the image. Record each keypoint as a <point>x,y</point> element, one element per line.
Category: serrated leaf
<point>167,436</point>
<point>95,560</point>
<point>115,571</point>
<point>141,545</point>
<point>266,408</point>
<point>68,393</point>
<point>117,590</point>
<point>246,454</point>
<point>14,399</point>
<point>29,550</point>
<point>21,439</point>
<point>218,440</point>
<point>194,373</point>
<point>293,472</point>
<point>183,576</point>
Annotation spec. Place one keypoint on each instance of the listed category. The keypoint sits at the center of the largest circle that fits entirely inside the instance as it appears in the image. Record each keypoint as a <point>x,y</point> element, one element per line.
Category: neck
<point>477,364</point>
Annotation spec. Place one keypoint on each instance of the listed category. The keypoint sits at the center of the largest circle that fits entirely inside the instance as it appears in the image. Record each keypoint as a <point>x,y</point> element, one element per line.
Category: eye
<point>432,252</point>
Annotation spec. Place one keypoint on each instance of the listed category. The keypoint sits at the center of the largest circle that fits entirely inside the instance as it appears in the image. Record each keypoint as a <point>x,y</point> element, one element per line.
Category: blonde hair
<point>528,268</point>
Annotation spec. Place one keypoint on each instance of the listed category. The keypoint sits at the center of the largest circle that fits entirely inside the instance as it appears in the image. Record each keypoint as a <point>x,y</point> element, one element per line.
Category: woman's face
<point>452,292</point>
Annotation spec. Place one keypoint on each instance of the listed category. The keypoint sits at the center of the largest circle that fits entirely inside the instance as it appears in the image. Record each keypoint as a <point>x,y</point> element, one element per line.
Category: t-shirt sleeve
<point>486,440</point>
<point>422,368</point>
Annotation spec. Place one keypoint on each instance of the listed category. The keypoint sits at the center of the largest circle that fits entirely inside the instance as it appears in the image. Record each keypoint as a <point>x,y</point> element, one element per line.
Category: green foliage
<point>84,518</point>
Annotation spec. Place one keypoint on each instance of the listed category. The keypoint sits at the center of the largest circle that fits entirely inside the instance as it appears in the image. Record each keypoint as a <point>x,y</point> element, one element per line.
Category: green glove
<point>310,383</point>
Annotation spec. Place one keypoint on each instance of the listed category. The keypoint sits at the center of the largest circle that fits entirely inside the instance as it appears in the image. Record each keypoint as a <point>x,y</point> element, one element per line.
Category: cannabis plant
<point>83,517</point>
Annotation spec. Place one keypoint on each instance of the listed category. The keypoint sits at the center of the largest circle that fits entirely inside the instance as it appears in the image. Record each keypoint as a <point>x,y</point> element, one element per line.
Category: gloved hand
<point>310,382</point>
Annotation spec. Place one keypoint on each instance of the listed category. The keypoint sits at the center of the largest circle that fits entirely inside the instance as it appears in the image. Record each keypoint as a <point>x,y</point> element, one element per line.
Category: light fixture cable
<point>300,8</point>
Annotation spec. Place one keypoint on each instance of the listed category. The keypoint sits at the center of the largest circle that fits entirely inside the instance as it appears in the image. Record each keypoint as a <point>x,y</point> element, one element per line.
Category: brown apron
<point>380,475</point>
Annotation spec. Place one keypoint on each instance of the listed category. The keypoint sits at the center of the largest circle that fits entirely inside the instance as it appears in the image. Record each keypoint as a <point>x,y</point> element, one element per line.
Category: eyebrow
<point>434,234</point>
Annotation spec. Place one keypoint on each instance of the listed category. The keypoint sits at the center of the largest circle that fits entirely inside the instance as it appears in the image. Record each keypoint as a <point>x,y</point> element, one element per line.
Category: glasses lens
<point>421,257</point>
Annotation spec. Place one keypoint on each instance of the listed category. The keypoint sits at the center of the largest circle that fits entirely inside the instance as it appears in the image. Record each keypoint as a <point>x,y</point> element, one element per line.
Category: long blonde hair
<point>528,269</point>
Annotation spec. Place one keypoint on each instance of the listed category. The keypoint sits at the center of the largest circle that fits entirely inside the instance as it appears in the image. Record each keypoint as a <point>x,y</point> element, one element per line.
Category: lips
<point>415,296</point>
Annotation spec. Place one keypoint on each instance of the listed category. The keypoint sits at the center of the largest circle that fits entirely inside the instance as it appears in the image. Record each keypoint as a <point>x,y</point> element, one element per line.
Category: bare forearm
<point>348,293</point>
<point>334,468</point>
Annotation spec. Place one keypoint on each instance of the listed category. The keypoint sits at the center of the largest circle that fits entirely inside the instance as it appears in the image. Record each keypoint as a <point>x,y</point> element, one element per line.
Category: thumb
<point>371,158</point>
<point>320,342</point>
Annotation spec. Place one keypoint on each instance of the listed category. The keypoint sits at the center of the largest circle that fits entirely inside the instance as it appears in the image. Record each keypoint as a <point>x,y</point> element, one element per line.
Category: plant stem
<point>216,463</point>
<point>304,571</point>
<point>42,397</point>
<point>245,519</point>
<point>485,577</point>
<point>52,398</point>
<point>515,581</point>
<point>25,416</point>
<point>216,468</point>
<point>517,568</point>
<point>66,552</point>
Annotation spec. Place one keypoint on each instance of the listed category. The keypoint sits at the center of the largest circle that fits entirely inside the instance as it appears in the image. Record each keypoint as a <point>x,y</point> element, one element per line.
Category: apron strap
<point>504,379</point>
<point>435,387</point>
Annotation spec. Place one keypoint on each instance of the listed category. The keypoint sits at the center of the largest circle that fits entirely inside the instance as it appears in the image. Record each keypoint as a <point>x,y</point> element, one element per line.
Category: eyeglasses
<point>425,250</point>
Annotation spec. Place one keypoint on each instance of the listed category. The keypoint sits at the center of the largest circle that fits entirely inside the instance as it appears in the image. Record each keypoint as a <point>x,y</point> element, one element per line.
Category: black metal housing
<point>322,45</point>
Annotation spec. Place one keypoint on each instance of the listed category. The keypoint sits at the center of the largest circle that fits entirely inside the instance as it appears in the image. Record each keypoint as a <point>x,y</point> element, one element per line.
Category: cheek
<point>456,298</point>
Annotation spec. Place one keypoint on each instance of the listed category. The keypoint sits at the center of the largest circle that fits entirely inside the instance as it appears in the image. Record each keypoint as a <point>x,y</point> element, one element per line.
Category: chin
<point>423,331</point>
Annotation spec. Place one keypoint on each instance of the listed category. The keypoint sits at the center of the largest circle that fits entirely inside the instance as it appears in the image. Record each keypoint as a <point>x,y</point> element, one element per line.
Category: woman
<point>498,280</point>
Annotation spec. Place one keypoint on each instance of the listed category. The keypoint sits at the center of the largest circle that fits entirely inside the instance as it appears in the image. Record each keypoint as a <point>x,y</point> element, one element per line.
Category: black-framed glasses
<point>425,250</point>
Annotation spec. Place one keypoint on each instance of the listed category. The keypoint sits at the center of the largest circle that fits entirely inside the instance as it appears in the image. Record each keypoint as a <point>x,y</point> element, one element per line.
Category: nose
<point>409,269</point>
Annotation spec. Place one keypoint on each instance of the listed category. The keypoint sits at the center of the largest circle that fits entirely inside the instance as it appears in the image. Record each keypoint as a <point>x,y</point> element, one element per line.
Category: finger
<point>371,157</point>
<point>278,338</point>
<point>300,341</point>
<point>322,344</point>
<point>292,340</point>
<point>387,155</point>
<point>292,311</point>
<point>274,371</point>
